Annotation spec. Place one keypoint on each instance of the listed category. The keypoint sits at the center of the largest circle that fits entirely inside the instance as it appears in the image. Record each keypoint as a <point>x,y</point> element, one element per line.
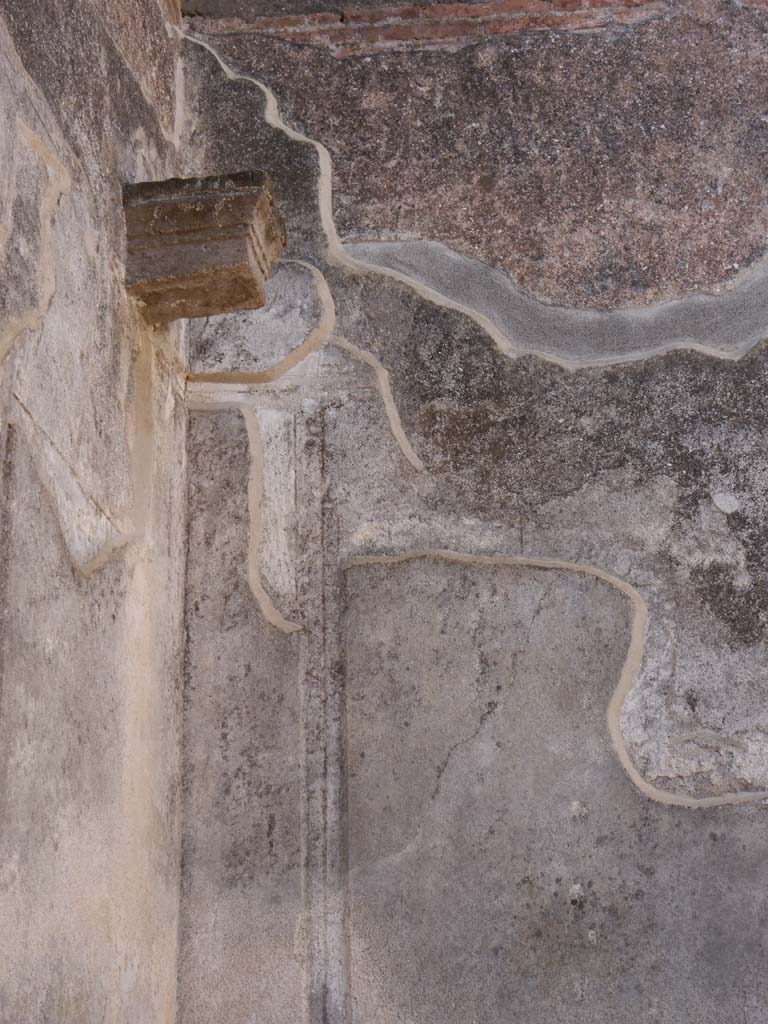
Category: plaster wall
<point>394,653</point>
<point>515,549</point>
<point>92,506</point>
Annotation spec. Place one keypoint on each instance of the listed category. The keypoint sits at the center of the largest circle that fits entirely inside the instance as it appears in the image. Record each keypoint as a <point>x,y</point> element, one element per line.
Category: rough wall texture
<point>463,555</point>
<point>597,169</point>
<point>242,951</point>
<point>519,547</point>
<point>292,12</point>
<point>92,511</point>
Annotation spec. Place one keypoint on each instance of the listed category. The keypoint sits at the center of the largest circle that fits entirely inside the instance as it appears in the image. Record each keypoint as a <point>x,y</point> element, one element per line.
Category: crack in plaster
<point>487,712</point>
<point>59,184</point>
<point>629,671</point>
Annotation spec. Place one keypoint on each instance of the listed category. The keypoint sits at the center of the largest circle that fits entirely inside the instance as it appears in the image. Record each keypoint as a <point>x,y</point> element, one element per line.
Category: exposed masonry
<point>439,26</point>
<point>617,352</point>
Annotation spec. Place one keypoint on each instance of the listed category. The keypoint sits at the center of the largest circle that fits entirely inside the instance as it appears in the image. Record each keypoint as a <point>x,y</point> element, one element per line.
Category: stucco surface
<point>91,551</point>
<point>242,907</point>
<point>500,866</point>
<point>527,577</point>
<point>393,653</point>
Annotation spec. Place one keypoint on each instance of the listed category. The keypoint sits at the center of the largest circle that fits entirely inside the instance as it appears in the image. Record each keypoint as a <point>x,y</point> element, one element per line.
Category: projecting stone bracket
<point>199,246</point>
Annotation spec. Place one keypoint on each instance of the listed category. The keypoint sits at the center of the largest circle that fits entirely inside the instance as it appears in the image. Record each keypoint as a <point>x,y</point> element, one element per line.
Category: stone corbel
<point>200,246</point>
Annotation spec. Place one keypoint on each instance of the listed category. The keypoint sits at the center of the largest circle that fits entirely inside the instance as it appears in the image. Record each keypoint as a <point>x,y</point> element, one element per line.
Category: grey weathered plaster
<point>500,867</point>
<point>242,904</point>
<point>531,607</point>
<point>92,505</point>
<point>725,325</point>
<point>254,341</point>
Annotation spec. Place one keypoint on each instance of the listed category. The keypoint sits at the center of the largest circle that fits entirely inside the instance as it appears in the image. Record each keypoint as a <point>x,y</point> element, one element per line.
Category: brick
<point>420,30</point>
<point>578,20</point>
<point>373,29</point>
<point>199,246</point>
<point>488,10</point>
<point>636,14</point>
<point>376,15</point>
<point>507,26</point>
<point>614,5</point>
<point>296,21</point>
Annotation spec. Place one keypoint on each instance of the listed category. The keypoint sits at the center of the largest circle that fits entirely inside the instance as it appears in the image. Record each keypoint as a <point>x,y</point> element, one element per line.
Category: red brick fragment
<point>495,8</point>
<point>377,15</point>
<point>448,24</point>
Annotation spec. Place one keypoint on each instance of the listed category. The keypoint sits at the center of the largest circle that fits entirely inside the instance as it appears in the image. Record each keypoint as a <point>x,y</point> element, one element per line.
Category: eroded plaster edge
<point>385,391</point>
<point>630,669</point>
<point>319,334</point>
<point>255,499</point>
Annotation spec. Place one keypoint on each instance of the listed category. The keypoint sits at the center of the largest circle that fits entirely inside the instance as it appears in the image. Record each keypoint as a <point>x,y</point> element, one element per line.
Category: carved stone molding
<point>199,246</point>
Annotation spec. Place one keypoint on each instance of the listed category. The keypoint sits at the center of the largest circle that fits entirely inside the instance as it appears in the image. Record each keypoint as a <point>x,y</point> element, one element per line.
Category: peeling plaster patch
<point>90,532</point>
<point>59,184</point>
<point>627,169</point>
<point>629,672</point>
<point>455,282</point>
<point>726,325</point>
